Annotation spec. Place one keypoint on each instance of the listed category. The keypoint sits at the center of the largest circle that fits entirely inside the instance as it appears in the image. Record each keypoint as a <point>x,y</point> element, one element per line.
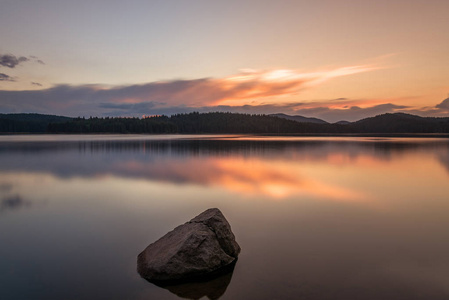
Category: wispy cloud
<point>259,85</point>
<point>11,61</point>
<point>37,59</point>
<point>4,77</point>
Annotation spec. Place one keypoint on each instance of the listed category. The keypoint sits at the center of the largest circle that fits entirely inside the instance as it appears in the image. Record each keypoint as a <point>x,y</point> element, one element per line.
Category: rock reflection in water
<point>212,289</point>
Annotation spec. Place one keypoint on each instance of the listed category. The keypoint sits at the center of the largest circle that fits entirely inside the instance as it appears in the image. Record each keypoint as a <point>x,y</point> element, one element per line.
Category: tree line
<point>218,123</point>
<point>194,123</point>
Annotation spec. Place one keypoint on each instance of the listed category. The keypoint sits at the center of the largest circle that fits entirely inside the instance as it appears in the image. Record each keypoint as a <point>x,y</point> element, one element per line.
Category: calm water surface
<point>317,218</point>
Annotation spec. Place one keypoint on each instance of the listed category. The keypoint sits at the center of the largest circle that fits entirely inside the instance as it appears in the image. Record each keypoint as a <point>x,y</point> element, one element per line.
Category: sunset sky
<point>335,60</point>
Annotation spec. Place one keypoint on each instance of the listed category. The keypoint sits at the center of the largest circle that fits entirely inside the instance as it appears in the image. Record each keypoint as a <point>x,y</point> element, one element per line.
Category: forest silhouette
<point>219,123</point>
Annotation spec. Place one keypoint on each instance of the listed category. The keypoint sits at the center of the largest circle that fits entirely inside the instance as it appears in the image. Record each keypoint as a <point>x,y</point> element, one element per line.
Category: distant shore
<point>386,125</point>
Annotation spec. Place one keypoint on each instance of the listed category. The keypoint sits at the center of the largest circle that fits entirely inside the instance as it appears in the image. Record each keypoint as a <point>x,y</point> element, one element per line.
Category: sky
<point>334,60</point>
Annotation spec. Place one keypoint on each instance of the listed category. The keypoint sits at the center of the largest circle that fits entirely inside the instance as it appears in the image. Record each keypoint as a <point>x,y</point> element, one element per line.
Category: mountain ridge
<point>299,118</point>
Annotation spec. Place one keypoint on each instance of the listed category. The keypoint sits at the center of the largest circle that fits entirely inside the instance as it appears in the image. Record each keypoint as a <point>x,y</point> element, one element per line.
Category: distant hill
<point>401,123</point>
<point>32,123</point>
<point>219,122</point>
<point>343,122</point>
<point>298,118</point>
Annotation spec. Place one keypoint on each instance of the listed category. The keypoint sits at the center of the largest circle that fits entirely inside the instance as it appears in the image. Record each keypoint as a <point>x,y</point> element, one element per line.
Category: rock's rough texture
<point>202,246</point>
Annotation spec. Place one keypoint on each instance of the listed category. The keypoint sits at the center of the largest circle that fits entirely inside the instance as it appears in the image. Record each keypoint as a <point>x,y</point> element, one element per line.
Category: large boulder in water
<point>198,249</point>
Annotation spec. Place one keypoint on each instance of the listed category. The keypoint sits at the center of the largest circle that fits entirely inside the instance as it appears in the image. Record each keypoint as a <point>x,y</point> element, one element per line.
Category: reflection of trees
<point>218,146</point>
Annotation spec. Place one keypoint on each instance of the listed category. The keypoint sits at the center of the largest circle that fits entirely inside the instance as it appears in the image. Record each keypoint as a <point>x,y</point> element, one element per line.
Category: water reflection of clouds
<point>277,169</point>
<point>443,157</point>
<point>10,201</point>
<point>316,150</point>
<point>6,187</point>
<point>254,177</point>
<point>113,196</point>
<point>13,202</point>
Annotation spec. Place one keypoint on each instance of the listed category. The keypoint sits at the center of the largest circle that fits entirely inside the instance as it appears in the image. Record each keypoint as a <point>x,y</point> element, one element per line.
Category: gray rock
<point>201,247</point>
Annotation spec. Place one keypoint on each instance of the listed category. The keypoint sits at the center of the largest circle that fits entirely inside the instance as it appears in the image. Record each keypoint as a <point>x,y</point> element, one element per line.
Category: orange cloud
<point>251,85</point>
<point>250,91</point>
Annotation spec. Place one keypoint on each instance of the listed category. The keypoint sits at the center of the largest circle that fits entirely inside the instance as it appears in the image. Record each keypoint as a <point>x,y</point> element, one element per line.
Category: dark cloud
<point>93,99</point>
<point>444,105</point>
<point>86,100</point>
<point>36,83</point>
<point>4,77</point>
<point>439,110</point>
<point>351,113</point>
<point>128,108</point>
<point>11,61</point>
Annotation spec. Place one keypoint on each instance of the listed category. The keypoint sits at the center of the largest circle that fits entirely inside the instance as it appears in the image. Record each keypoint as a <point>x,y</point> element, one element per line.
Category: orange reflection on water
<point>275,179</point>
<point>250,177</point>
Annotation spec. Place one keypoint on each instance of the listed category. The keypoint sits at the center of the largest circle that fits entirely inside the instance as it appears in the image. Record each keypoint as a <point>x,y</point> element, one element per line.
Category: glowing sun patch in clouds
<point>253,85</point>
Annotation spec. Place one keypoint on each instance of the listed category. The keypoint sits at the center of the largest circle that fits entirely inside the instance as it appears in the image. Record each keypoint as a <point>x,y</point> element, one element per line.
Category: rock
<point>203,247</point>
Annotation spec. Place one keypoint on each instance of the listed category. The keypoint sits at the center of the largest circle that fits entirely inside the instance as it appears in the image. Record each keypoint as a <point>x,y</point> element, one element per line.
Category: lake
<point>316,218</point>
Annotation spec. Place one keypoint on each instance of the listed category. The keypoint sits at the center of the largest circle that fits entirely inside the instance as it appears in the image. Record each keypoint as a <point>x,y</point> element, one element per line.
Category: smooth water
<point>316,218</point>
